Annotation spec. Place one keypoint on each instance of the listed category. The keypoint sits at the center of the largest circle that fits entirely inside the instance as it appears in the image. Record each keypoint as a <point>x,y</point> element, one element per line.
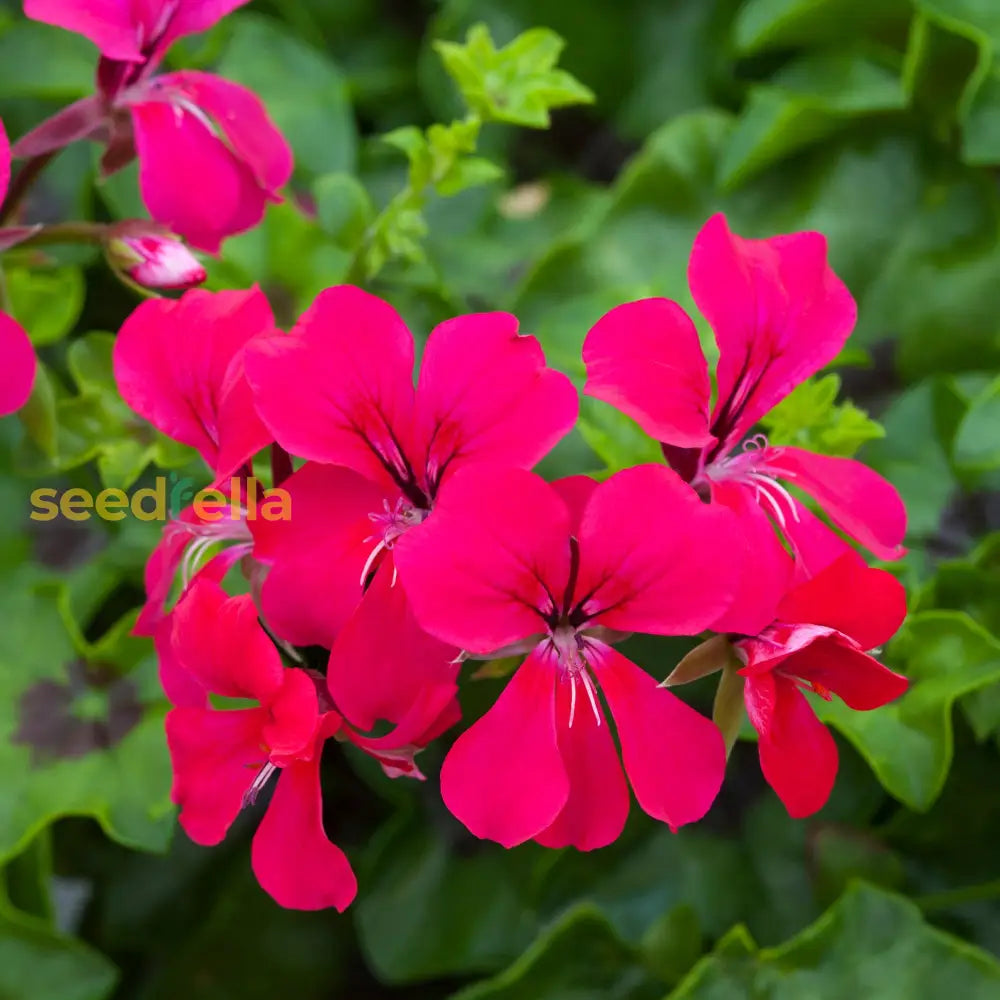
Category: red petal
<point>859,680</point>
<point>494,551</point>
<point>293,859</point>
<point>856,498</point>
<point>17,366</point>
<point>340,389</point>
<point>653,557</point>
<point>597,807</point>
<point>293,716</point>
<point>675,758</point>
<point>575,492</point>
<point>504,778</point>
<point>109,24</point>
<point>485,395</point>
<point>644,358</point>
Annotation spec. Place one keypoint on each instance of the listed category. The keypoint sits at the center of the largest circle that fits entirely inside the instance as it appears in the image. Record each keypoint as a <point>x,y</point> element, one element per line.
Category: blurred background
<point>874,121</point>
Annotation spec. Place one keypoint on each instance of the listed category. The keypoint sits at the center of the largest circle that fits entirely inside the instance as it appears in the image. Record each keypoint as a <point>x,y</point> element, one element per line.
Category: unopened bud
<point>152,256</point>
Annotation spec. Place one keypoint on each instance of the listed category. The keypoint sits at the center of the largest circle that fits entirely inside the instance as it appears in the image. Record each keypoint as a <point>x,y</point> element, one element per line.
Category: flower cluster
<point>420,538</point>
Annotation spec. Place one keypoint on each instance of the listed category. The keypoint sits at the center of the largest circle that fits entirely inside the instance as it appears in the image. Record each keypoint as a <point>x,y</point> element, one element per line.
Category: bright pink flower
<point>210,158</point>
<point>179,364</point>
<point>779,314</point>
<point>223,758</point>
<point>508,562</point>
<point>152,256</point>
<point>17,356</point>
<point>817,643</point>
<point>339,391</point>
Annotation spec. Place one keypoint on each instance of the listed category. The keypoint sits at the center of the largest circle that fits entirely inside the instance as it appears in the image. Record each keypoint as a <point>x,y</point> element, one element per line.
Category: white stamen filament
<point>258,783</point>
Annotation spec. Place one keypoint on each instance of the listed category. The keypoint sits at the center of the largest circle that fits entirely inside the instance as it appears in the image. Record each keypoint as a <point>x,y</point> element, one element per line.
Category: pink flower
<point>209,156</point>
<point>152,256</point>
<point>779,314</point>
<point>510,563</point>
<point>17,356</point>
<point>817,643</point>
<point>339,392</point>
<point>223,758</point>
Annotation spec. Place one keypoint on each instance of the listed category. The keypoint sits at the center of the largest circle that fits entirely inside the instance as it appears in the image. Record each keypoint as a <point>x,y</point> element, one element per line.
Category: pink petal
<point>859,680</point>
<point>778,312</point>
<point>109,24</point>
<point>178,364</point>
<point>383,659</point>
<point>597,807</point>
<point>293,859</point>
<point>797,753</point>
<point>866,604</point>
<point>653,557</point>
<point>644,358</point>
<point>293,716</point>
<point>190,180</point>
<point>215,756</point>
<point>4,162</point>
<point>856,498</point>
<point>194,16</point>
<point>504,777</point>
<point>765,567</point>
<point>243,120</point>
<point>316,556</point>
<point>340,389</point>
<point>675,758</point>
<point>79,120</point>
<point>181,687</point>
<point>17,366</point>
<point>814,542</point>
<point>218,639</point>
<point>485,395</point>
<point>576,492</point>
<point>493,554</point>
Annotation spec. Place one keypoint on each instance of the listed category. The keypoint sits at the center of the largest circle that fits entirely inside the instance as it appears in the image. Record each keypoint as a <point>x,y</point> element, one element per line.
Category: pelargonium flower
<point>817,643</point>
<point>17,356</point>
<point>152,256</point>
<point>779,314</point>
<point>508,562</point>
<point>339,392</point>
<point>210,158</point>
<point>223,758</point>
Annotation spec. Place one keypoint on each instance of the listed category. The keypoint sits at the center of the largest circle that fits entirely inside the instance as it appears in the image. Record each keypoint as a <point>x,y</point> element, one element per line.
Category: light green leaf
<point>37,60</point>
<point>977,441</point>
<point>46,303</point>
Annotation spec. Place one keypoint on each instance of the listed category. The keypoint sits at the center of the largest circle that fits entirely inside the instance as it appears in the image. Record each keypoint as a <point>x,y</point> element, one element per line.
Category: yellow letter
<point>43,503</point>
<point>283,500</point>
<point>159,495</point>
<point>201,503</point>
<point>111,505</point>
<point>75,504</point>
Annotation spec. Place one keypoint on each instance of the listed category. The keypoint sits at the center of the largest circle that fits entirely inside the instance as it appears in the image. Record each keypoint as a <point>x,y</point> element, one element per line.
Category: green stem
<point>4,293</point>
<point>66,232</point>
<point>22,183</point>
<point>950,898</point>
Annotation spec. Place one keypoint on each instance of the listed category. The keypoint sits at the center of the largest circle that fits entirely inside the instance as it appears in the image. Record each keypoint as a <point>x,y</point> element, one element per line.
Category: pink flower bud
<point>153,257</point>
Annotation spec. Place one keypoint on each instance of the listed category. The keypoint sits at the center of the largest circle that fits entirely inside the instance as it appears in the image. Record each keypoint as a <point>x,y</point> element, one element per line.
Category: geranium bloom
<point>209,156</point>
<point>779,314</point>
<point>17,356</point>
<point>817,643</point>
<point>509,562</point>
<point>339,391</point>
<point>223,758</point>
<point>152,256</point>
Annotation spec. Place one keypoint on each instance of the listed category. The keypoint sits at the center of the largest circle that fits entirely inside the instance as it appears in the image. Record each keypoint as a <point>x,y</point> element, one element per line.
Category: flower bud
<point>152,256</point>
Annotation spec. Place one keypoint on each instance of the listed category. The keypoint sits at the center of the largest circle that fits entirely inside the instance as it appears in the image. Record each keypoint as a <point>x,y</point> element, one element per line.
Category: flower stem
<point>66,232</point>
<point>950,898</point>
<point>22,183</point>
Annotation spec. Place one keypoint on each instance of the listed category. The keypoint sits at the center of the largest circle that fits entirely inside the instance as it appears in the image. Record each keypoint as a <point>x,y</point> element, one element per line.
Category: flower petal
<point>192,17</point>
<point>18,367</point>
<point>866,604</point>
<point>859,680</point>
<point>293,716</point>
<point>645,359</point>
<point>383,659</point>
<point>485,395</point>
<point>293,859</point>
<point>178,364</point>
<point>4,162</point>
<point>675,758</point>
<point>597,807</point>
<point>778,312</point>
<point>493,553</point>
<point>668,565</point>
<point>856,498</point>
<point>317,555</point>
<point>215,756</point>
<point>82,119</point>
<point>504,778</point>
<point>797,753</point>
<point>218,639</point>
<point>109,24</point>
<point>340,389</point>
<point>576,492</point>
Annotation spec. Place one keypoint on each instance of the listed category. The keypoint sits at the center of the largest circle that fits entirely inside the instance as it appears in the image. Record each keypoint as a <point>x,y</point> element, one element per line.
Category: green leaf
<point>46,303</point>
<point>870,943</point>
<point>977,441</point>
<point>302,89</point>
<point>343,207</point>
<point>37,60</point>
<point>38,415</point>
<point>616,439</point>
<point>518,84</point>
<point>909,743</point>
